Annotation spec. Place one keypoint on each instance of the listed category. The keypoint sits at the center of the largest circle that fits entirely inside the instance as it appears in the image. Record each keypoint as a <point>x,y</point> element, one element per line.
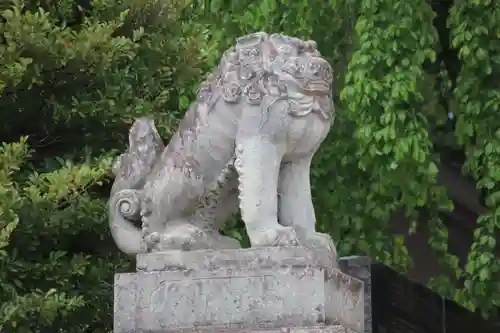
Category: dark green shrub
<point>71,82</point>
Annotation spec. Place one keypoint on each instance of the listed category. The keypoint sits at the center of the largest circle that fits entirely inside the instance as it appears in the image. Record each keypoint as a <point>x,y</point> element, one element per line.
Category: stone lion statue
<point>247,142</point>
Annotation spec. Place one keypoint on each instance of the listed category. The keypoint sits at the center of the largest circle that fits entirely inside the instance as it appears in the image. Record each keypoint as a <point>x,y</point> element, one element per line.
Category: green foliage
<point>476,31</point>
<point>38,277</point>
<point>70,86</point>
<point>73,78</point>
<point>387,100</point>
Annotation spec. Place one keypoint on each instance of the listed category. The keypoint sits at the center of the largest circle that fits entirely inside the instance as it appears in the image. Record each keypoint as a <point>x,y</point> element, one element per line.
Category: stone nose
<point>315,69</point>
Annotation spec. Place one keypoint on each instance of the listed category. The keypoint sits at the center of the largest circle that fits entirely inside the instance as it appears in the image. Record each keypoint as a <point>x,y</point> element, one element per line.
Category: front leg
<point>296,207</point>
<point>257,163</point>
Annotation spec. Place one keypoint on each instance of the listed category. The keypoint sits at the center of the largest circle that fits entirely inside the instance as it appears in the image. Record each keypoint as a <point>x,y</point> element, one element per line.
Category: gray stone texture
<point>250,259</point>
<point>241,145</point>
<point>252,289</point>
<point>315,329</point>
<point>125,292</point>
<point>360,267</point>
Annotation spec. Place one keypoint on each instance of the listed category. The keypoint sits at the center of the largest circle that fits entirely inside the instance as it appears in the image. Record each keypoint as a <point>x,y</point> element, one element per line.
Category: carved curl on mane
<point>260,65</point>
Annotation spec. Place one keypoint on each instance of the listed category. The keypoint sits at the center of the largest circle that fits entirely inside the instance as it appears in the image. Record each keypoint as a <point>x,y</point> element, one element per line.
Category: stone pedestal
<point>270,290</point>
<point>360,268</point>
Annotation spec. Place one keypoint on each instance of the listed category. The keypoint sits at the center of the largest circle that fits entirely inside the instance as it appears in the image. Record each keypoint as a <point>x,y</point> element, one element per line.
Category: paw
<point>274,237</point>
<point>321,242</point>
<point>286,236</point>
<point>221,242</point>
<point>183,237</point>
<point>186,237</point>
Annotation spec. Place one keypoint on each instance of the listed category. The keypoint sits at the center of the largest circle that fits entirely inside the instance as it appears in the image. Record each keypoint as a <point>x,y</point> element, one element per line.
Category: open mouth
<point>316,86</point>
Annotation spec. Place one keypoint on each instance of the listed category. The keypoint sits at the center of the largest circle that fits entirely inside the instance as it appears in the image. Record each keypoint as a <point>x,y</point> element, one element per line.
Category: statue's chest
<point>305,135</point>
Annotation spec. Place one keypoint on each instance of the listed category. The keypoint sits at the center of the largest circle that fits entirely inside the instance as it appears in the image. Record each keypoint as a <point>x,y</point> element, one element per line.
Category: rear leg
<point>201,230</point>
<point>218,204</point>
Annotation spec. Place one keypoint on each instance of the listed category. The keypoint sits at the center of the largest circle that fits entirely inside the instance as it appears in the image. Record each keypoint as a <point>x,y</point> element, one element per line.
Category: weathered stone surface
<point>125,292</point>
<point>221,159</point>
<point>255,258</point>
<point>263,300</point>
<point>360,267</point>
<point>315,329</point>
<point>344,300</point>
<point>235,289</point>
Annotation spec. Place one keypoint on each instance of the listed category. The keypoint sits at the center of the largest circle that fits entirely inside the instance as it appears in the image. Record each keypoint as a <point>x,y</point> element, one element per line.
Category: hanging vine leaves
<point>476,34</point>
<point>384,94</point>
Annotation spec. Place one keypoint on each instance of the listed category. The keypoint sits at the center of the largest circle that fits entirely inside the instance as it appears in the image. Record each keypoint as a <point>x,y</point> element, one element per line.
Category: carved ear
<point>143,131</point>
<point>145,147</point>
<point>144,140</point>
<point>251,39</point>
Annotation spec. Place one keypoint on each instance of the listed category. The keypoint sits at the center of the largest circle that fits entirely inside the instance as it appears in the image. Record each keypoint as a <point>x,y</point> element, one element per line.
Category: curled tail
<point>124,213</point>
<point>131,170</point>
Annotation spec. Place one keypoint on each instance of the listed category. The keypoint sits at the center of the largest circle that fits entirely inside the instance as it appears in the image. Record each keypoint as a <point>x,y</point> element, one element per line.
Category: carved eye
<point>285,49</point>
<point>314,68</point>
<point>255,52</point>
<point>327,72</point>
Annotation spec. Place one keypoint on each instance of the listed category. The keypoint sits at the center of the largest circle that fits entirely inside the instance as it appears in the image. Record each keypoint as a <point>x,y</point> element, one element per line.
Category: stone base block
<point>237,290</point>
<point>315,329</point>
<point>360,268</point>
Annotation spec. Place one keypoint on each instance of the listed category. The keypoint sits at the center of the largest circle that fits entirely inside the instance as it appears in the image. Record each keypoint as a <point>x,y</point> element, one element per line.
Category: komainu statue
<point>247,142</point>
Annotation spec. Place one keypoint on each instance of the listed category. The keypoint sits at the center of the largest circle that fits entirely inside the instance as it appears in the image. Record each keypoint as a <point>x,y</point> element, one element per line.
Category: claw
<point>278,236</point>
<point>286,237</point>
<point>186,237</point>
